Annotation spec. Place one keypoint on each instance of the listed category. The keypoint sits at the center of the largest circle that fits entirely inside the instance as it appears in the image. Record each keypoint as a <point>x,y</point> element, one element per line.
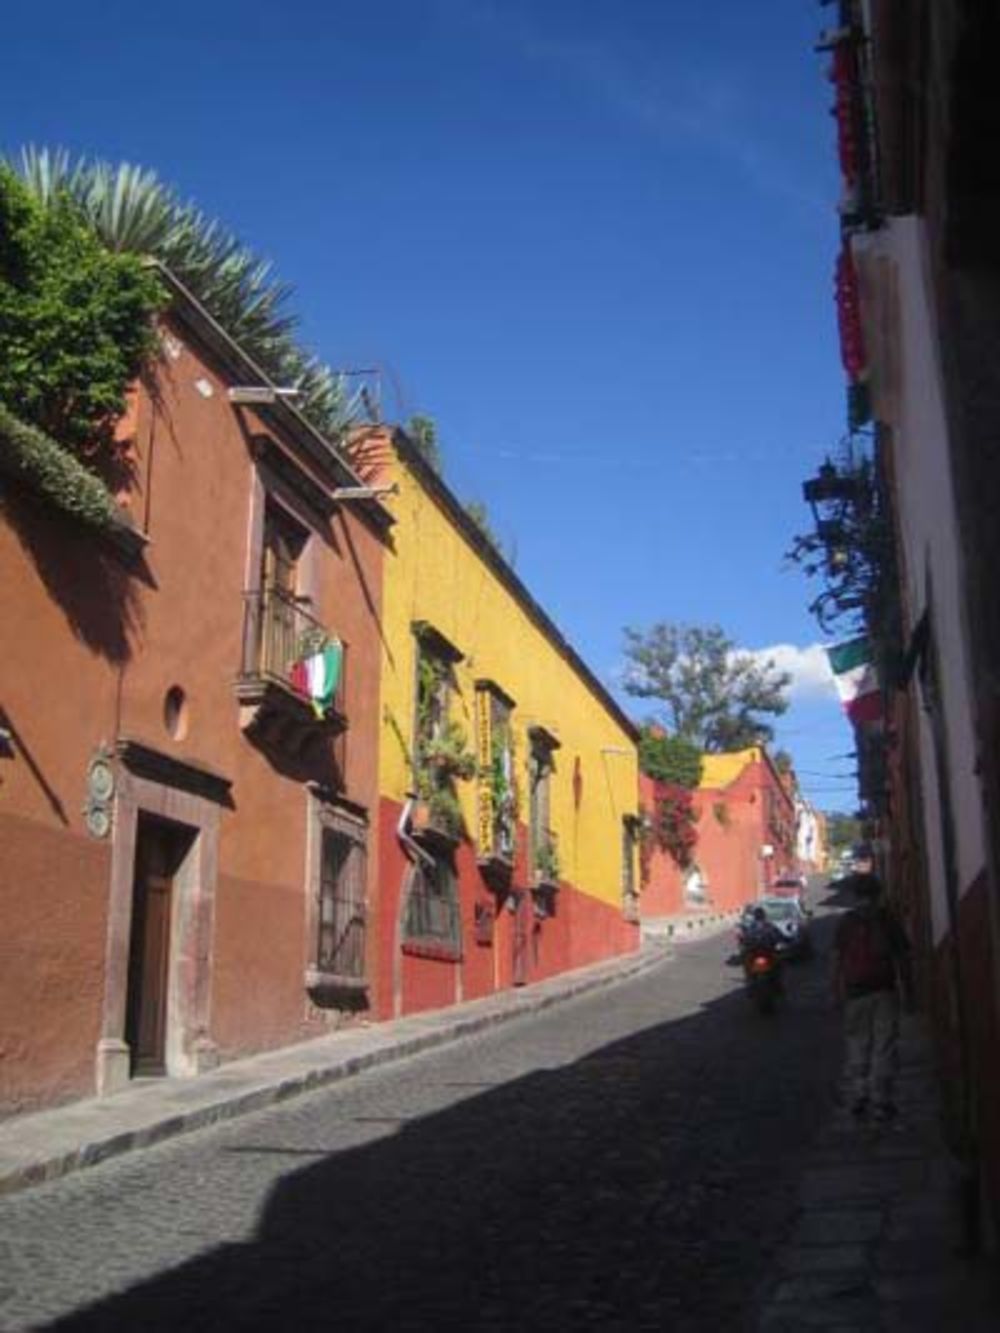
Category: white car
<point>792,919</point>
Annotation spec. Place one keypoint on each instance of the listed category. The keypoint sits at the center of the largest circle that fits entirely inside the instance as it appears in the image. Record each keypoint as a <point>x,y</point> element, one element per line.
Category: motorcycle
<point>762,974</point>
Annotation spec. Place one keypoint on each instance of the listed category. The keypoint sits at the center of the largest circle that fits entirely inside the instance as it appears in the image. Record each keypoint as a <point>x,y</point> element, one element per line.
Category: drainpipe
<point>409,844</point>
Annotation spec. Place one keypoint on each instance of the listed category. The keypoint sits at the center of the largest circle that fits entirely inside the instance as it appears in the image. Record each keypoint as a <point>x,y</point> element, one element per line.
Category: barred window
<point>432,922</point>
<point>340,950</point>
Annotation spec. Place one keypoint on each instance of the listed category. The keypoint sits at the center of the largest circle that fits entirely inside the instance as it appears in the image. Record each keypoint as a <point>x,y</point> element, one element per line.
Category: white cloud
<point>808,667</point>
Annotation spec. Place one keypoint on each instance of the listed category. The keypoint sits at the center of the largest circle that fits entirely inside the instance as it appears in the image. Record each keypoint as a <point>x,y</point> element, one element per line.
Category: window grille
<point>432,914</point>
<point>341,943</point>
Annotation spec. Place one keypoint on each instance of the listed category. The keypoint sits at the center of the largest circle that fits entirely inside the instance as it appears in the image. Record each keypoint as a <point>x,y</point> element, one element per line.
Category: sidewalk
<point>47,1144</point>
<point>875,1243</point>
<point>685,925</point>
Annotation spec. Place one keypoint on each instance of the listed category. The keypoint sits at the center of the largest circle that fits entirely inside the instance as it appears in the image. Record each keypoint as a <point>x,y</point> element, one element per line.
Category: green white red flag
<point>856,679</point>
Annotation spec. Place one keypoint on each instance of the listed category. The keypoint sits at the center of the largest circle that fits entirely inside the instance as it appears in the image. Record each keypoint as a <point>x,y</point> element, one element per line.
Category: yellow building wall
<point>436,575</point>
<point>719,770</point>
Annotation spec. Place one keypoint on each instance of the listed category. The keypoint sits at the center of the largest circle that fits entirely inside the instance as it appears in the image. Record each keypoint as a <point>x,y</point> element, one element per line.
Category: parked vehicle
<point>792,920</point>
<point>794,885</point>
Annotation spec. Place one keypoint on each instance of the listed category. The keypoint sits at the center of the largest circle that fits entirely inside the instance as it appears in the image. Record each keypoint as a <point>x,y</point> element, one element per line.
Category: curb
<point>674,929</point>
<point>445,1026</point>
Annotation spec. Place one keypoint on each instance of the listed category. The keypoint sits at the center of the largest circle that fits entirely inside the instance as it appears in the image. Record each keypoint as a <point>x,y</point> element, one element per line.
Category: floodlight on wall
<point>364,492</point>
<point>260,394</point>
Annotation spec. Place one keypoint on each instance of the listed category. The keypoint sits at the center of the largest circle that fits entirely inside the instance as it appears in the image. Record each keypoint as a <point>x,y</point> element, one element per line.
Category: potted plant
<point>442,758</point>
<point>446,753</point>
<point>498,777</point>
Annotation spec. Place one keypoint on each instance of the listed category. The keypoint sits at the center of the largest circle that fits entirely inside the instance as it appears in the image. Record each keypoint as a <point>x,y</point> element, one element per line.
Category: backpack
<point>867,957</point>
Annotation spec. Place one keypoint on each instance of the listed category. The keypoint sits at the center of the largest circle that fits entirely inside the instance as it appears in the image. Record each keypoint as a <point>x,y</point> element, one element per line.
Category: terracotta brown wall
<point>91,651</point>
<point>57,691</point>
<point>52,895</point>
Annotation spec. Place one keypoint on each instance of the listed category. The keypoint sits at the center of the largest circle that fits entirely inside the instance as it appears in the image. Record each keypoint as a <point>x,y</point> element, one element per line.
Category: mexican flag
<point>318,675</point>
<point>856,679</point>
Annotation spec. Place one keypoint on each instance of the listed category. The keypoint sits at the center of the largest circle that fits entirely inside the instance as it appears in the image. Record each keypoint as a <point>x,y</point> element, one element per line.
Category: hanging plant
<point>501,780</point>
<point>674,824</point>
<point>446,754</point>
<point>444,812</point>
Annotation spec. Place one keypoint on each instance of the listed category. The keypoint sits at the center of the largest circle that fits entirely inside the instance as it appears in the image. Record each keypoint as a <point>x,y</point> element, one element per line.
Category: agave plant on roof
<point>132,210</point>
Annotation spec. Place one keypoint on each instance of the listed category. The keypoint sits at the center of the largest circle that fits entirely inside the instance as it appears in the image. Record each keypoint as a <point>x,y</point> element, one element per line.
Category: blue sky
<point>593,239</point>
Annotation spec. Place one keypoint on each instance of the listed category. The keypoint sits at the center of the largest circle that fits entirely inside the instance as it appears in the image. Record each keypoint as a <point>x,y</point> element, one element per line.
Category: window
<point>432,923</point>
<point>433,693</point>
<point>541,766</point>
<point>497,782</point>
<point>441,752</point>
<point>280,615</point>
<point>630,843</point>
<point>339,913</point>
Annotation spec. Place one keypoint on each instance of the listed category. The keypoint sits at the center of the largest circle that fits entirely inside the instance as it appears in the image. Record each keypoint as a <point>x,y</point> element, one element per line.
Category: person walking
<point>871,971</point>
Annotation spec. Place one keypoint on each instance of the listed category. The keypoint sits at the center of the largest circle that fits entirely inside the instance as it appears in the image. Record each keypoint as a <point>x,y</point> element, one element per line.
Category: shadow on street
<point>644,1185</point>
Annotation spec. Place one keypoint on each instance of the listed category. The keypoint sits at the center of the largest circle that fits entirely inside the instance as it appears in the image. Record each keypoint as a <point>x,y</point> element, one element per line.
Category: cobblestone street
<point>627,1159</point>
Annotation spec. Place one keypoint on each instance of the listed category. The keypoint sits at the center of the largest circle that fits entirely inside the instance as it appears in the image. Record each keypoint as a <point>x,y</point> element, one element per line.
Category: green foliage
<point>446,754</point>
<point>783,762</point>
<point>712,695</point>
<point>842,832</point>
<point>444,811</point>
<point>479,514</point>
<point>75,320</point>
<point>669,758</point>
<point>134,213</point>
<point>31,458</point>
<point>442,750</point>
<point>547,864</point>
<point>423,432</point>
<point>501,780</point>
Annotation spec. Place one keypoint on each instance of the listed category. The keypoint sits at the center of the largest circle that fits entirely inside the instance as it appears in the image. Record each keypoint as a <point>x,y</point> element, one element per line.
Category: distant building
<point>746,837</point>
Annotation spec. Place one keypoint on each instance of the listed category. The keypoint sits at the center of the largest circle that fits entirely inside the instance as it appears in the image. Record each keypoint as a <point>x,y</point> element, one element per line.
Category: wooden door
<point>159,847</point>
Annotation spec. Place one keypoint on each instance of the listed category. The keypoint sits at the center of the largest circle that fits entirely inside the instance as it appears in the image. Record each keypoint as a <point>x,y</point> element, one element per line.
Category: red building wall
<point>735,823</point>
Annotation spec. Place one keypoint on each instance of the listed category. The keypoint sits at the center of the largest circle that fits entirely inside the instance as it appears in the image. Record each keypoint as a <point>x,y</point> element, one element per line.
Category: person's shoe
<point>859,1107</point>
<point>885,1112</point>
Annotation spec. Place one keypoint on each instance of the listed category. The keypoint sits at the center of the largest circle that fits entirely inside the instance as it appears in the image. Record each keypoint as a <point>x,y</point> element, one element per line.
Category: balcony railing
<point>279,637</point>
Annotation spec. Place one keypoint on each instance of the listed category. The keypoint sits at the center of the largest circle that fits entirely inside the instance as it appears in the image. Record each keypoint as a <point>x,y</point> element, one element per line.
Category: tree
<point>783,762</point>
<point>842,832</point>
<point>669,758</point>
<point>76,320</point>
<point>712,696</point>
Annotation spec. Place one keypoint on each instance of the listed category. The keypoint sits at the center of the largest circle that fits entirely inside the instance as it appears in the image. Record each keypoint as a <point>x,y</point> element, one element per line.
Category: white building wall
<point>892,268</point>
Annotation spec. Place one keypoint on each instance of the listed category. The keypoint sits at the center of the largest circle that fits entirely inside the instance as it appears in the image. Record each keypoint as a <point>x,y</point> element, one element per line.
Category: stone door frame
<point>151,783</point>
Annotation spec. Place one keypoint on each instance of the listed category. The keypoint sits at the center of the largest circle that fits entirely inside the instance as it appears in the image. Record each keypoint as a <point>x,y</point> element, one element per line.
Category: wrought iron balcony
<point>289,663</point>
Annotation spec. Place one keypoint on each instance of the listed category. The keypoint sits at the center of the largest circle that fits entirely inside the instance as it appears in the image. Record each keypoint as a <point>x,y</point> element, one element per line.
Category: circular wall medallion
<point>98,821</point>
<point>101,779</point>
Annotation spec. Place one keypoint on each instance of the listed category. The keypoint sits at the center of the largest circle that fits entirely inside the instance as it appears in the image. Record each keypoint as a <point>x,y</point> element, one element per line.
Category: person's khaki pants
<point>871,1031</point>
